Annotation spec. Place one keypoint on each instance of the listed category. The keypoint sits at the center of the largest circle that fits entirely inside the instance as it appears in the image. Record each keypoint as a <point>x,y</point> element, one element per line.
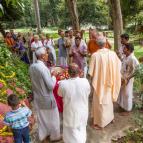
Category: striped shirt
<point>18,119</point>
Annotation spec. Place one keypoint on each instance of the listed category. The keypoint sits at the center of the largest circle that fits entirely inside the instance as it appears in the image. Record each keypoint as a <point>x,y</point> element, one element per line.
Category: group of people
<point>16,44</point>
<point>110,78</point>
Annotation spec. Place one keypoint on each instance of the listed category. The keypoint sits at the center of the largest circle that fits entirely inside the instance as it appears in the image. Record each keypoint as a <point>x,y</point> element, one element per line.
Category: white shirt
<point>129,65</point>
<point>36,45</point>
<point>75,93</point>
<point>48,43</point>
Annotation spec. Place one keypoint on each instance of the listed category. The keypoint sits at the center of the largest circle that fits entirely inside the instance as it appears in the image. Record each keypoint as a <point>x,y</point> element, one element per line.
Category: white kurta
<point>44,101</point>
<point>126,93</point>
<point>49,44</point>
<point>75,94</point>
<point>48,124</point>
<point>35,45</point>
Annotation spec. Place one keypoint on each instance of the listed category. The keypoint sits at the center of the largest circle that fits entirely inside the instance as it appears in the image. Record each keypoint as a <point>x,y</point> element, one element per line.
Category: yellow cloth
<point>104,69</point>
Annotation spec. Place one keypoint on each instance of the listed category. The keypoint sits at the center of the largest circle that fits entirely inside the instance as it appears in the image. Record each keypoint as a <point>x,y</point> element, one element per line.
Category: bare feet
<point>113,121</point>
<point>97,127</point>
<point>57,140</point>
<point>125,113</point>
<point>45,140</point>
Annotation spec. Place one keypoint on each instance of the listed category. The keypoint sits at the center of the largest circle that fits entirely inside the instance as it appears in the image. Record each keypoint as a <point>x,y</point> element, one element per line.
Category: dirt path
<point>114,130</point>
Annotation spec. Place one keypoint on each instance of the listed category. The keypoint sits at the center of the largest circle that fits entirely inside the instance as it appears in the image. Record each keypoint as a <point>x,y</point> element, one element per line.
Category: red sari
<point>59,99</point>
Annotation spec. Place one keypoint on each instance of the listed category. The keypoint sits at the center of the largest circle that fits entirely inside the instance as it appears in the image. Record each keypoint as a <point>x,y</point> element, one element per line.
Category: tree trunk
<point>117,21</point>
<point>37,15</point>
<point>2,31</point>
<point>72,6</point>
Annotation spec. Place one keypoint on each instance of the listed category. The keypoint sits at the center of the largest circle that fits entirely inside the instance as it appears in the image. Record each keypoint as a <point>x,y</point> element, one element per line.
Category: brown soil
<point>113,131</point>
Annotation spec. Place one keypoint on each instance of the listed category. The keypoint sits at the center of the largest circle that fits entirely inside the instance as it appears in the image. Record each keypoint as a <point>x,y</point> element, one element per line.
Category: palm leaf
<point>1,9</point>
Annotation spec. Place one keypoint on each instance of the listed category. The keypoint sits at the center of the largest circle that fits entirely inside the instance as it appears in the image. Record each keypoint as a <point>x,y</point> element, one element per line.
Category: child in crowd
<point>18,120</point>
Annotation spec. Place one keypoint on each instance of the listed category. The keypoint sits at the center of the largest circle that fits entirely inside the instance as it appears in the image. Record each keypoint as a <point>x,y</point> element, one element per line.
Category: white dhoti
<point>63,61</point>
<point>103,113</point>
<point>34,58</point>
<point>125,99</point>
<point>48,124</point>
<point>52,50</point>
<point>74,135</point>
<point>85,71</point>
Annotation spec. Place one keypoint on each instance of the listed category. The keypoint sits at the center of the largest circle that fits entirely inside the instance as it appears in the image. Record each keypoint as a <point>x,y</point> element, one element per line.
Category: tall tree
<point>10,11</point>
<point>117,21</point>
<point>93,12</point>
<point>72,6</point>
<point>37,15</point>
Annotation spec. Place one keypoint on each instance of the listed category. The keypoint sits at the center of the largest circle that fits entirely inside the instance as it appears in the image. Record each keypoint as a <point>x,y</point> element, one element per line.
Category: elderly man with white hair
<point>104,70</point>
<point>35,45</point>
<point>44,101</point>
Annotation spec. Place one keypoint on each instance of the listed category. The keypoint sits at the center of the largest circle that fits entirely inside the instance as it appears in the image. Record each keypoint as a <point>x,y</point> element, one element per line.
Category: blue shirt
<point>18,119</point>
<point>62,48</point>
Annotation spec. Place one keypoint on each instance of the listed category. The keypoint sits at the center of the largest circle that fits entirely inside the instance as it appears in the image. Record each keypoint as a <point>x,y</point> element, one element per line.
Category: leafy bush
<point>13,75</point>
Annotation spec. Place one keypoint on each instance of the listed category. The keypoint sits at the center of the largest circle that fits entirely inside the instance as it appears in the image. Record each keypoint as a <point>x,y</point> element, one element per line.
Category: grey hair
<point>40,51</point>
<point>101,40</point>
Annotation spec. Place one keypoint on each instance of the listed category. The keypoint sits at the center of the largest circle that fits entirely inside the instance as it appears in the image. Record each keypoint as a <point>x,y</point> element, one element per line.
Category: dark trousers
<point>21,135</point>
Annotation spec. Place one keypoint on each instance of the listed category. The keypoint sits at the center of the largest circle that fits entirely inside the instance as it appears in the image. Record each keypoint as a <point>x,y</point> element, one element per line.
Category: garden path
<point>112,131</point>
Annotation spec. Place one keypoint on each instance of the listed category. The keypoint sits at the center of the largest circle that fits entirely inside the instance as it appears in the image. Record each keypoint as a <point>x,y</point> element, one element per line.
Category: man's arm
<point>49,81</point>
<point>60,89</point>
<point>91,65</point>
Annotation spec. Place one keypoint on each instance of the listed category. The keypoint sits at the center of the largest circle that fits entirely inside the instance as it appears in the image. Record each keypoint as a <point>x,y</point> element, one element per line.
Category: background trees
<point>10,11</point>
<point>72,6</point>
<point>21,13</point>
<point>117,21</point>
<point>56,13</point>
<point>95,12</point>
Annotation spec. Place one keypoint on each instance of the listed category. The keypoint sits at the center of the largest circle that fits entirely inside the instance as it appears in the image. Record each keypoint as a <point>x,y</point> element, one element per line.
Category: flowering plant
<point>14,77</point>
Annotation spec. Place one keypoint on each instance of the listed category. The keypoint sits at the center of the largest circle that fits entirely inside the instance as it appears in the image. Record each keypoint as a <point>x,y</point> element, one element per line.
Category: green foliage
<point>14,73</point>
<point>132,11</point>
<point>20,13</point>
<point>139,72</point>
<point>93,12</point>
<point>133,135</point>
<point>13,9</point>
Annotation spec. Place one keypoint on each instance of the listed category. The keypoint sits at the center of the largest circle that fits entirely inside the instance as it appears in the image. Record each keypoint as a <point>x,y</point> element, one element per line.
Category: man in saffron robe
<point>104,70</point>
<point>92,44</point>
